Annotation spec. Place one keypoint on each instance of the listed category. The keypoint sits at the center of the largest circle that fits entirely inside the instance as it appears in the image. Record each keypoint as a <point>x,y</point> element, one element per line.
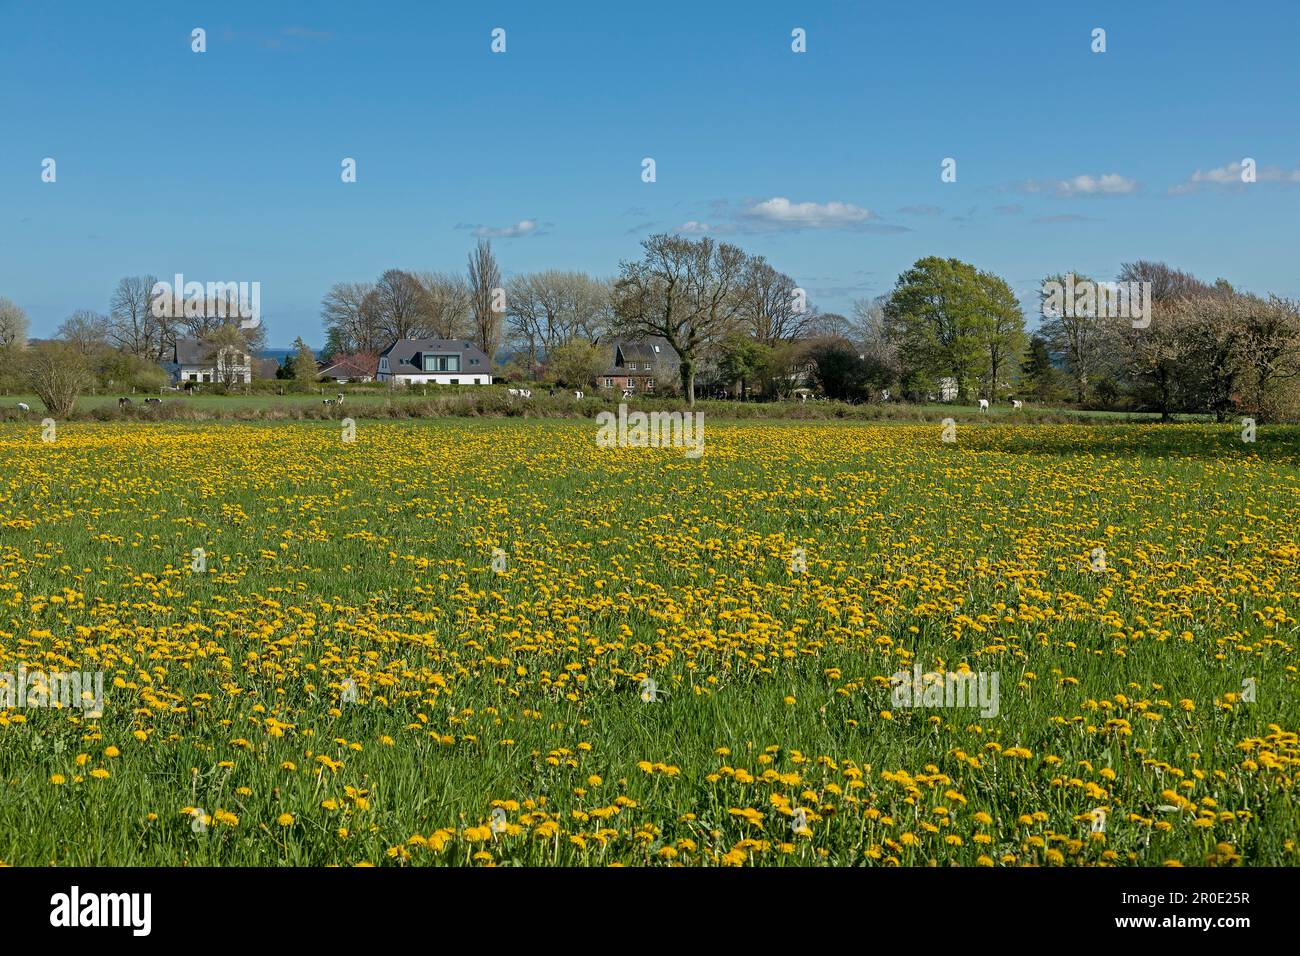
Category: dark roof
<point>192,352</point>
<point>650,350</point>
<point>351,366</point>
<point>401,352</point>
<point>197,352</point>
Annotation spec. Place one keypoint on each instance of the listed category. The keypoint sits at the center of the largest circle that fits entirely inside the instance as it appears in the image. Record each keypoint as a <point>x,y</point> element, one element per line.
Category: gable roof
<point>631,356</point>
<point>196,352</point>
<point>401,354</point>
<point>358,365</point>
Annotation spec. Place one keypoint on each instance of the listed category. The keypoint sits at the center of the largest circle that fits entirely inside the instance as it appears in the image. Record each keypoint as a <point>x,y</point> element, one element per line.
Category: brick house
<point>636,363</point>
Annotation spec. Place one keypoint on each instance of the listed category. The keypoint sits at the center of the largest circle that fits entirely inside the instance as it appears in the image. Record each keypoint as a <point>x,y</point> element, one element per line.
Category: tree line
<point>946,330</point>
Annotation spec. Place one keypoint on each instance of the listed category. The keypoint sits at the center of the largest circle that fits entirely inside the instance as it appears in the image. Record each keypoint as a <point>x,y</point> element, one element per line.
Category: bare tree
<point>400,306</point>
<point>687,291</point>
<point>1167,284</point>
<point>484,281</point>
<point>870,332</point>
<point>13,324</point>
<point>57,372</point>
<point>770,306</point>
<point>550,309</point>
<point>133,328</point>
<point>1075,333</point>
<point>86,329</point>
<point>448,304</point>
<point>349,321</point>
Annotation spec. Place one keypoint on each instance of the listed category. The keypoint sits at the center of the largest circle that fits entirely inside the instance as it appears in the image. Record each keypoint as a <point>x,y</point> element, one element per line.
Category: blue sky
<point>225,165</point>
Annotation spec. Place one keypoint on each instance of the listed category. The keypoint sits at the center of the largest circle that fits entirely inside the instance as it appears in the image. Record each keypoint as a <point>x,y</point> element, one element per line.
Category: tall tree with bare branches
<point>688,291</point>
<point>484,283</point>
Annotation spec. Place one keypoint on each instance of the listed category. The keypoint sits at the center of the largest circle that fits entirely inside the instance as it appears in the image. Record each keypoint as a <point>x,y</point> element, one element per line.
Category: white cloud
<point>1229,175</point>
<point>695,227</point>
<point>781,213</point>
<point>524,227</point>
<point>1107,184</point>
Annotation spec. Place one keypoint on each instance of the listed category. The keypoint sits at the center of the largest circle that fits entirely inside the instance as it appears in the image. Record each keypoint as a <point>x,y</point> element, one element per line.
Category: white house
<point>196,361</point>
<point>434,362</point>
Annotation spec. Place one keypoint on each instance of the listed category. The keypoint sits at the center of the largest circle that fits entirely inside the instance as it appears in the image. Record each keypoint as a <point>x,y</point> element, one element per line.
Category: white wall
<point>444,378</point>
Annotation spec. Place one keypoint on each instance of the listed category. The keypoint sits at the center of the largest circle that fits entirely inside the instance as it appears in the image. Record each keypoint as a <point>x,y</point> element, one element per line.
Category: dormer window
<point>442,363</point>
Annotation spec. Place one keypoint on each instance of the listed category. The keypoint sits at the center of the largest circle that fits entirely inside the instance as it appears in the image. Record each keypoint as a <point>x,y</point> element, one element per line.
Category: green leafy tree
<point>1000,327</point>
<point>743,361</point>
<point>935,315</point>
<point>1039,379</point>
<point>576,363</point>
<point>304,365</point>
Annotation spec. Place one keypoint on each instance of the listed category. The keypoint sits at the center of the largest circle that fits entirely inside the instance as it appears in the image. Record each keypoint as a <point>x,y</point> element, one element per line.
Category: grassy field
<point>489,641</point>
<point>439,401</point>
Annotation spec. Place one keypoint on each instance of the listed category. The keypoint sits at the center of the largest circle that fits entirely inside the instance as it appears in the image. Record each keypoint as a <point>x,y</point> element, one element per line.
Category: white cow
<point>628,392</point>
<point>1017,403</point>
<point>578,395</point>
<point>24,407</point>
<point>519,392</point>
<point>984,404</point>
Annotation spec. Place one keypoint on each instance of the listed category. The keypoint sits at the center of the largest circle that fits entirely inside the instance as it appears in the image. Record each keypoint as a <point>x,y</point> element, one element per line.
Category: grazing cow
<point>628,392</point>
<point>984,404</point>
<point>153,401</point>
<point>328,402</point>
<point>24,407</point>
<point>340,398</point>
<point>578,395</point>
<point>123,402</point>
<point>1017,403</point>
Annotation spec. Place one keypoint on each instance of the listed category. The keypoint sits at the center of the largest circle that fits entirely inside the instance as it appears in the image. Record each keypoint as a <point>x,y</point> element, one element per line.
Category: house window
<point>609,383</point>
<point>473,361</point>
<point>442,363</point>
<point>207,377</point>
<point>649,385</point>
<point>383,364</point>
<point>455,381</point>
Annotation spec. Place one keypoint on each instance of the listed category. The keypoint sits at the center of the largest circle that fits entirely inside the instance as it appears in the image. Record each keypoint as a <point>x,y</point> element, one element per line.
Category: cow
<point>1017,403</point>
<point>984,404</point>
<point>578,395</point>
<point>24,407</point>
<point>628,392</point>
<point>153,401</point>
<point>123,402</point>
